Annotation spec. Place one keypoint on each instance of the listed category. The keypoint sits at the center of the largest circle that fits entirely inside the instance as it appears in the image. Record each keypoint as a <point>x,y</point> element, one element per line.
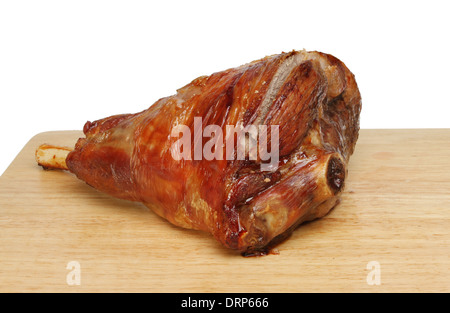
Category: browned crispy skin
<point>313,98</point>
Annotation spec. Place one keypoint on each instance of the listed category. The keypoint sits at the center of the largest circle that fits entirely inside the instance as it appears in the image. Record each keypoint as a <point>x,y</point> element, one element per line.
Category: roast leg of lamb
<point>312,99</point>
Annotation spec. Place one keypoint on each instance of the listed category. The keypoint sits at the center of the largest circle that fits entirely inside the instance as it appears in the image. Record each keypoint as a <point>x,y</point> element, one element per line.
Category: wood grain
<point>395,210</point>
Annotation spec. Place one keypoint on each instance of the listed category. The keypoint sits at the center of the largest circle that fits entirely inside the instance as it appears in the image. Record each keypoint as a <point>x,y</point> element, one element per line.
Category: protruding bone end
<point>335,174</point>
<point>52,157</point>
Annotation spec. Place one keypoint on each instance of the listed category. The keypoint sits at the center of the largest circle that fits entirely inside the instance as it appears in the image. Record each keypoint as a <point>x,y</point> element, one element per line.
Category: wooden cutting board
<point>391,232</point>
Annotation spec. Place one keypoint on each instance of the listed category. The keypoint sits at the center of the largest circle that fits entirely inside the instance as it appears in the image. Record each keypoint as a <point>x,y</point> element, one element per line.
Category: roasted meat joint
<point>246,154</point>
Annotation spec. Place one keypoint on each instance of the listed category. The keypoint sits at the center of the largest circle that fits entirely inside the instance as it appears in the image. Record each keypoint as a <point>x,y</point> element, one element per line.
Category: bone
<point>52,157</point>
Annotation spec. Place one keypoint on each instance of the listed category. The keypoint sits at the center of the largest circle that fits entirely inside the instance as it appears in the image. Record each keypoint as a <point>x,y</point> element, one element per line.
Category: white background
<point>65,62</point>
